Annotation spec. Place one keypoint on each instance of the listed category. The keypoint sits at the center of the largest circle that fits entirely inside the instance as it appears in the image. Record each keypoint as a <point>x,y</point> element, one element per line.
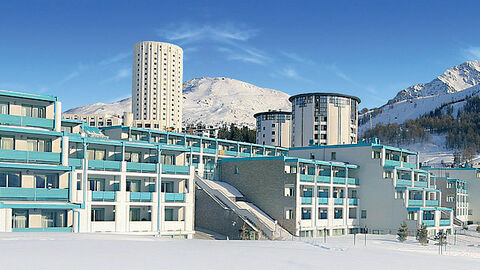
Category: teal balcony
<point>140,196</point>
<point>323,179</point>
<point>175,169</point>
<point>141,167</point>
<point>353,181</point>
<point>209,150</point>
<point>195,149</point>
<point>389,162</point>
<point>429,223</point>
<point>338,201</point>
<point>33,194</point>
<point>415,203</point>
<point>307,178</point>
<point>26,121</point>
<point>353,201</point>
<point>410,165</point>
<point>104,165</point>
<point>46,229</point>
<point>75,162</point>
<point>231,153</point>
<point>29,156</point>
<point>403,182</point>
<point>245,154</point>
<point>339,180</point>
<point>444,222</point>
<point>174,197</point>
<point>420,184</point>
<point>431,203</point>
<point>322,200</point>
<point>306,200</point>
<point>104,196</point>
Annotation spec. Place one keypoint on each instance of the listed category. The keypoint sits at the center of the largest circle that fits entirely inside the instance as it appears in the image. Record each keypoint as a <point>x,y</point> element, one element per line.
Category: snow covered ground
<point>102,251</point>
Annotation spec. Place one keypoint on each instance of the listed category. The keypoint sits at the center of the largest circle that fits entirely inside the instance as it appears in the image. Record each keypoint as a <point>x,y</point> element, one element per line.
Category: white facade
<point>157,84</point>
<point>274,128</point>
<point>324,119</point>
<point>96,120</point>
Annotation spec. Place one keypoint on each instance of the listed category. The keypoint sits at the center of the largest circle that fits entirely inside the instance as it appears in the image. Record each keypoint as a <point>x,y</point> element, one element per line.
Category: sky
<point>81,51</point>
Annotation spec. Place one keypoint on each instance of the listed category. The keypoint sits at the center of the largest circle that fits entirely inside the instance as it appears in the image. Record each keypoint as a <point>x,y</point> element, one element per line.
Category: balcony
<point>140,196</point>
<point>75,162</point>
<point>410,165</point>
<point>338,180</point>
<point>322,200</point>
<point>353,201</point>
<point>104,196</point>
<point>209,150</point>
<point>429,223</point>
<point>306,200</point>
<point>174,197</point>
<point>26,121</point>
<point>432,203</point>
<point>353,181</point>
<point>195,149</point>
<point>231,153</point>
<point>404,182</point>
<point>242,154</point>
<point>141,167</point>
<point>307,178</point>
<point>444,222</point>
<point>175,169</point>
<point>104,165</point>
<point>33,194</point>
<point>338,201</point>
<point>389,162</point>
<point>29,156</point>
<point>420,184</point>
<point>415,202</point>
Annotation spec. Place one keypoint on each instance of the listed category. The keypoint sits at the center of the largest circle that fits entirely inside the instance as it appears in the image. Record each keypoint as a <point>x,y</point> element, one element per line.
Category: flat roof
<point>27,95</point>
<point>271,112</point>
<point>324,94</point>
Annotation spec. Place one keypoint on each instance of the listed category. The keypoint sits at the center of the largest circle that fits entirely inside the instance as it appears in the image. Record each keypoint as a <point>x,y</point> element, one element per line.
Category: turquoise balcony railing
<point>245,154</point>
<point>140,196</point>
<point>175,169</point>
<point>209,150</point>
<point>33,194</point>
<point>231,153</point>
<point>353,181</point>
<point>409,165</point>
<point>307,177</point>
<point>174,197</point>
<point>415,203</point>
<point>323,179</point>
<point>104,165</point>
<point>75,162</point>
<point>339,180</point>
<point>420,184</point>
<point>429,223</point>
<point>107,196</point>
<point>47,229</point>
<point>353,201</point>
<point>195,149</point>
<point>26,121</point>
<point>141,167</point>
<point>431,203</point>
<point>29,156</point>
<point>338,201</point>
<point>322,200</point>
<point>306,200</point>
<point>444,222</point>
<point>389,162</point>
<point>403,182</point>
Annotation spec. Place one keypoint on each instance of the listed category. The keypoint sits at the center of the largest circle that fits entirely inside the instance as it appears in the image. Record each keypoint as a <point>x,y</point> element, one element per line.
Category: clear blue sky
<point>81,50</point>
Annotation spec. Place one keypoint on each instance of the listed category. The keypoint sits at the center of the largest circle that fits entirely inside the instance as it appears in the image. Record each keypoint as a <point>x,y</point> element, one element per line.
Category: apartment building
<point>455,196</point>
<point>274,128</point>
<point>392,189</point>
<point>96,120</point>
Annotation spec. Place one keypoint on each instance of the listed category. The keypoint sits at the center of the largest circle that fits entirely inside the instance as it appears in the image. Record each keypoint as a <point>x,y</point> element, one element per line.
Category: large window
<point>98,214</point>
<point>96,154</point>
<point>96,184</point>
<point>33,111</point>
<point>168,159</point>
<point>7,143</point>
<point>4,108</point>
<point>39,145</point>
<point>47,181</point>
<point>10,179</point>
<point>132,157</point>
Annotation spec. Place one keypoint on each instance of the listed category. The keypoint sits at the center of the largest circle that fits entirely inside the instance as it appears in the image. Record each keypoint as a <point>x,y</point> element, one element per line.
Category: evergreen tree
<point>402,232</point>
<point>422,235</point>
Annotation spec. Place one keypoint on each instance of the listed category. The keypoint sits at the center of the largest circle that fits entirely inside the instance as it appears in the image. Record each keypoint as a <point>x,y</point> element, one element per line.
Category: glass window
<point>364,213</point>
<point>10,179</point>
<point>33,111</point>
<point>3,179</point>
<point>96,184</point>
<point>4,108</point>
<point>7,143</point>
<point>40,145</point>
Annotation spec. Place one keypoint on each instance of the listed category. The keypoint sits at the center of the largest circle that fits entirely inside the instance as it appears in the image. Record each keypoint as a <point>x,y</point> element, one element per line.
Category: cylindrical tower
<point>274,128</point>
<point>324,119</point>
<point>157,98</point>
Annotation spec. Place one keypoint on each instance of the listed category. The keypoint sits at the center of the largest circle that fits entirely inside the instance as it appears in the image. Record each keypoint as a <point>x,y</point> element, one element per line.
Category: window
<point>46,181</point>
<point>399,194</point>
<point>376,154</point>
<point>236,170</point>
<point>167,187</point>
<point>96,154</point>
<point>39,145</point>
<point>4,108</point>
<point>134,185</point>
<point>96,184</point>
<point>412,215</point>
<point>322,213</point>
<point>169,214</point>
<point>289,214</point>
<point>10,179</point>
<point>98,214</point>
<point>333,155</point>
<point>132,157</point>
<point>450,199</point>
<point>7,143</point>
<point>33,111</point>
<point>387,174</point>
<point>338,213</point>
<point>364,214</point>
<point>352,213</point>
<point>289,191</point>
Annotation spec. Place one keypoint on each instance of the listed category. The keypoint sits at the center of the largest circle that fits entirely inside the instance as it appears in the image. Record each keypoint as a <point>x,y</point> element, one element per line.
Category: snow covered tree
<point>402,232</point>
<point>422,235</point>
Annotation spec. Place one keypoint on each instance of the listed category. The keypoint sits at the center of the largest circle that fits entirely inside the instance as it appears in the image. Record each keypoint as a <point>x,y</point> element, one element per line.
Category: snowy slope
<point>211,101</point>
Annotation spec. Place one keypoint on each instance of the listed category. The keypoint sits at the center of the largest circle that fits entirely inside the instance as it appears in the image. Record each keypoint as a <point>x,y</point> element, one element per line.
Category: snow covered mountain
<point>452,87</point>
<point>211,101</point>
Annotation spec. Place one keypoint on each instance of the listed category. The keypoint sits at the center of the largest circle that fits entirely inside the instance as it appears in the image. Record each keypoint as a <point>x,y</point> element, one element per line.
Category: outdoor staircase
<point>230,198</point>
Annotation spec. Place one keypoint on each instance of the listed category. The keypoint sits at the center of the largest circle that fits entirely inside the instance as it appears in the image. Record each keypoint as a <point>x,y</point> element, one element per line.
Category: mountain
<point>452,87</point>
<point>212,101</point>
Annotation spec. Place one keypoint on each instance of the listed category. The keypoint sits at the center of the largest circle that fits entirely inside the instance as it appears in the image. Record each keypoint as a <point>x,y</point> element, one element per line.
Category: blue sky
<point>81,50</point>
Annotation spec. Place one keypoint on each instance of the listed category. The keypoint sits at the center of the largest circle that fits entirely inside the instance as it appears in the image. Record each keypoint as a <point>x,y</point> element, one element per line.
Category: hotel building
<point>274,128</point>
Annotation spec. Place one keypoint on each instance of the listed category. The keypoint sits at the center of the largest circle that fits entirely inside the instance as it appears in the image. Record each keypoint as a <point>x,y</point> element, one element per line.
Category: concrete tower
<point>157,99</point>
<point>324,119</point>
<point>274,128</point>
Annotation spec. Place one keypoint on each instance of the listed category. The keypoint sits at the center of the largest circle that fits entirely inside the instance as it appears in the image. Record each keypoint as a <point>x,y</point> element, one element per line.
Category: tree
<point>402,232</point>
<point>422,235</point>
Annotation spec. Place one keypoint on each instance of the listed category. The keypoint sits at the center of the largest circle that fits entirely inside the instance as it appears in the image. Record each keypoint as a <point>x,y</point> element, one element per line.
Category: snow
<point>102,251</point>
<point>212,101</point>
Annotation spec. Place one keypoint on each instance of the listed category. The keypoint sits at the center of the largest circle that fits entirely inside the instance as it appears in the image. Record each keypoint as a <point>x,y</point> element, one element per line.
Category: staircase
<point>230,198</point>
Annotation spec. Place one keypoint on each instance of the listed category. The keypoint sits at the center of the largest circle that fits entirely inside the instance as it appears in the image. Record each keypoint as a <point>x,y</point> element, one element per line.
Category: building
<point>96,120</point>
<point>202,130</point>
<point>455,196</point>
<point>324,119</point>
<point>274,128</point>
<point>157,85</point>
<point>393,189</point>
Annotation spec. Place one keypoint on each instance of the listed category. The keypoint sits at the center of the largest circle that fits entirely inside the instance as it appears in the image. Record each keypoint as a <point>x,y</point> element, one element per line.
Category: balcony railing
<point>174,197</point>
<point>307,177</point>
<point>420,184</point>
<point>195,149</point>
<point>29,156</point>
<point>242,154</point>
<point>26,121</point>
<point>353,181</point>
<point>432,203</point>
<point>323,179</point>
<point>75,162</point>
<point>104,165</point>
<point>339,180</point>
<point>209,150</point>
<point>353,201</point>
<point>403,182</point>
<point>322,200</point>
<point>306,200</point>
<point>175,169</point>
<point>141,167</point>
<point>33,194</point>
<point>338,201</point>
<point>429,223</point>
<point>106,196</point>
<point>140,196</point>
<point>410,165</point>
<point>389,162</point>
<point>444,222</point>
<point>415,202</point>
